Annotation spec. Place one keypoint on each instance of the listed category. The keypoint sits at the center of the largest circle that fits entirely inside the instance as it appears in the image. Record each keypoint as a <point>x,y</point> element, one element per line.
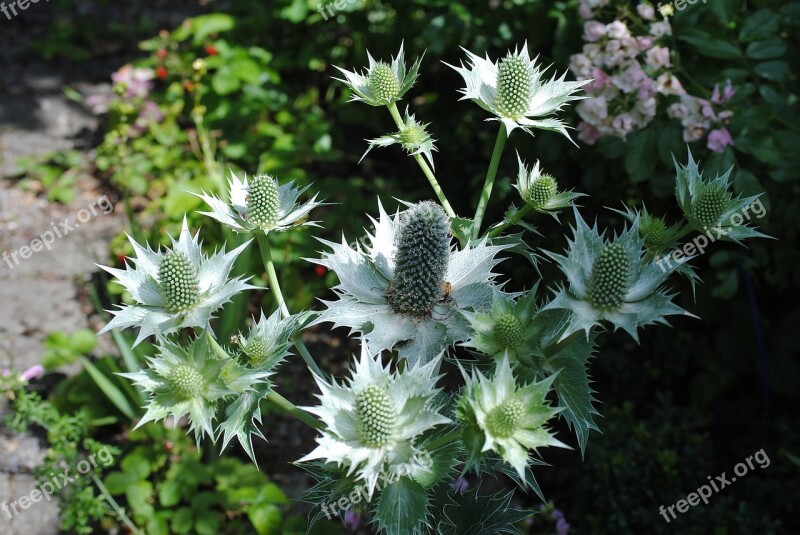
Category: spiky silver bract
<point>181,287</point>
<point>511,419</point>
<point>381,83</point>
<point>611,280</point>
<point>366,272</point>
<point>514,91</point>
<point>261,204</point>
<point>709,205</point>
<point>374,421</point>
<point>191,382</point>
<point>413,136</point>
<point>540,190</point>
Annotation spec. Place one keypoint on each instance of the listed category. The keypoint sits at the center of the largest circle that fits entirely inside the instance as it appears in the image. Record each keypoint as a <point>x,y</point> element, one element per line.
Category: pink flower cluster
<point>698,117</point>
<point>132,85</point>
<point>629,71</point>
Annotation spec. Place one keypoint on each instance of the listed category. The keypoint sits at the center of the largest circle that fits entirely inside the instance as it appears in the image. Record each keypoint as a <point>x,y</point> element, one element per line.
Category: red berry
<point>162,53</point>
<point>161,72</point>
<point>211,50</point>
<point>320,271</point>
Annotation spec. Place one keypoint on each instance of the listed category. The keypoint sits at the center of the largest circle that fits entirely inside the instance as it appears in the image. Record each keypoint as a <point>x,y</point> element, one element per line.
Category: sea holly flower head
<point>413,137</point>
<point>267,342</point>
<point>381,84</point>
<point>178,288</point>
<point>261,204</point>
<point>190,381</point>
<point>540,190</point>
<point>401,290</point>
<point>514,91</point>
<point>611,280</point>
<point>512,419</point>
<point>373,422</point>
<point>507,330</point>
<point>709,206</point>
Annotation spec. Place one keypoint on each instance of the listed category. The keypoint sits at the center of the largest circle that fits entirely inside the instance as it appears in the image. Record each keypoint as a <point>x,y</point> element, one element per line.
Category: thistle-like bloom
<point>413,137</point>
<point>382,83</point>
<point>540,190</point>
<point>402,289</point>
<point>611,280</point>
<point>374,420</point>
<point>507,329</point>
<point>261,204</point>
<point>709,205</point>
<point>514,91</point>
<point>181,287</point>
<point>190,381</point>
<point>511,418</point>
<point>262,349</point>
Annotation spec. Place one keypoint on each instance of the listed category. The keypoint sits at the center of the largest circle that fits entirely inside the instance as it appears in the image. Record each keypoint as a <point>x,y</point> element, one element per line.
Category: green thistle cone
<point>263,201</point>
<point>710,205</point>
<point>508,331</point>
<point>178,281</point>
<point>186,382</point>
<point>422,251</point>
<point>376,416</point>
<point>383,82</point>
<point>654,232</point>
<point>255,349</point>
<point>504,419</point>
<point>542,190</point>
<point>610,277</point>
<point>514,87</point>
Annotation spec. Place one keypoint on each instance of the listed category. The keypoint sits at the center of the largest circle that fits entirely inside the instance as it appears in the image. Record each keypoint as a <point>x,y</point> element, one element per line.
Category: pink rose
<point>719,139</point>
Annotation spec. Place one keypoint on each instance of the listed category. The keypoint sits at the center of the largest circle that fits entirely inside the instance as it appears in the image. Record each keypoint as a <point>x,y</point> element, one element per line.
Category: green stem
<point>294,410</point>
<point>495,232</point>
<point>491,174</point>
<point>266,256</point>
<point>424,165</point>
<point>114,505</point>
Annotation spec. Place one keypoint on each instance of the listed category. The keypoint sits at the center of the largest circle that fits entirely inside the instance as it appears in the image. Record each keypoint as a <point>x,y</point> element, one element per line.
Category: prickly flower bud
<point>186,382</point>
<point>263,201</point>
<point>541,190</point>
<point>178,280</point>
<point>710,204</point>
<point>375,416</point>
<point>610,277</point>
<point>383,82</point>
<point>514,86</point>
<point>423,247</point>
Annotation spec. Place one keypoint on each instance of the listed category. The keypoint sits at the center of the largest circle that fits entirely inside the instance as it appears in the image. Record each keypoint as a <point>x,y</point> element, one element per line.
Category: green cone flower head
<point>507,329</point>
<point>512,419</point>
<point>710,207</point>
<point>413,137</point>
<point>375,420</point>
<point>380,298</point>
<point>611,280</point>
<point>422,249</point>
<point>267,342</point>
<point>514,91</point>
<point>261,204</point>
<point>540,190</point>
<point>381,83</point>
<point>191,382</point>
<point>178,288</point>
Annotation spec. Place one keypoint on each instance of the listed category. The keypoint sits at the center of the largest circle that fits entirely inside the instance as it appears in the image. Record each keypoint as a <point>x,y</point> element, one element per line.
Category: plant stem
<point>266,256</point>
<point>294,410</point>
<point>495,232</point>
<point>491,174</point>
<point>424,165</point>
<point>114,505</point>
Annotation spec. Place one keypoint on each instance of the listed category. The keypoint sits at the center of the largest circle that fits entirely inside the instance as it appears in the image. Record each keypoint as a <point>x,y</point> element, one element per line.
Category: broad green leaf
<point>771,48</point>
<point>402,507</point>
<point>761,25</point>
<point>641,158</point>
<point>266,518</point>
<point>169,493</point>
<point>776,71</point>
